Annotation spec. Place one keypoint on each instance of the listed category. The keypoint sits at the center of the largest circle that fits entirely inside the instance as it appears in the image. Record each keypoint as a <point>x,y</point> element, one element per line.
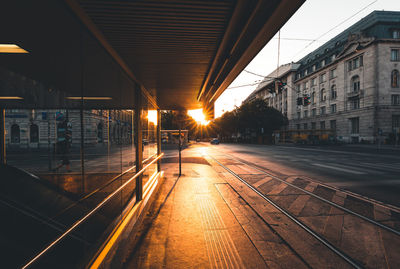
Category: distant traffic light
<point>280,86</point>
<point>306,100</point>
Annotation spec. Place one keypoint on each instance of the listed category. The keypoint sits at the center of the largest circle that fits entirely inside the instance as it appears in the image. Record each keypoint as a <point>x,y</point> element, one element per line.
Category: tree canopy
<point>251,117</point>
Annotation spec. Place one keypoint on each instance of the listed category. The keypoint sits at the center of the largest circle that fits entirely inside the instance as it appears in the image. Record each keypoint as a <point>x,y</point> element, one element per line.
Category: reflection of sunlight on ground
<point>202,151</point>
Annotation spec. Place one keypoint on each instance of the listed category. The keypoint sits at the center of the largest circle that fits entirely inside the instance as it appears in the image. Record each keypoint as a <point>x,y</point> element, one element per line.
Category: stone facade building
<point>352,82</point>
<point>35,128</point>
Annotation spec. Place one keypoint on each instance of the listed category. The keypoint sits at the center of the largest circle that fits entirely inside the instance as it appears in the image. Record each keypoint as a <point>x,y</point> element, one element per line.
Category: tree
<point>252,117</point>
<point>169,122</point>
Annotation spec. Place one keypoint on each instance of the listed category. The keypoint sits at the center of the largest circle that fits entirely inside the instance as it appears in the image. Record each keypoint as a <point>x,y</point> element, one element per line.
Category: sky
<point>318,20</point>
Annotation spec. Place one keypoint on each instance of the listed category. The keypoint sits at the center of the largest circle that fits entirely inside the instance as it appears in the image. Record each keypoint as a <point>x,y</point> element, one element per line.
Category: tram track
<point>354,262</point>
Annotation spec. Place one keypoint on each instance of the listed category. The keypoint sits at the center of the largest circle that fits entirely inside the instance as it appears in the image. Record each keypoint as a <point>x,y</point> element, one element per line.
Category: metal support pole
<point>48,141</point>
<point>108,139</point>
<point>180,149</point>
<point>158,139</point>
<point>3,136</point>
<point>82,151</point>
<point>138,142</point>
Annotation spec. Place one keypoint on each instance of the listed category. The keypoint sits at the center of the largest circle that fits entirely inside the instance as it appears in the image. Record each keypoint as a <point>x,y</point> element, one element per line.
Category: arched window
<point>313,98</point>
<point>395,79</point>
<point>15,133</point>
<point>34,133</point>
<point>355,83</point>
<point>333,92</point>
<point>323,95</point>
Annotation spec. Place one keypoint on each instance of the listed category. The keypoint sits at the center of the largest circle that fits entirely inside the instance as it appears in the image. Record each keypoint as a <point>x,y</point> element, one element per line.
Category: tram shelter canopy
<point>182,53</point>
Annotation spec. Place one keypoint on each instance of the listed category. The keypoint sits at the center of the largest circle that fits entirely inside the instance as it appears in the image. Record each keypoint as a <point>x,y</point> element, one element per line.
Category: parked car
<point>214,141</point>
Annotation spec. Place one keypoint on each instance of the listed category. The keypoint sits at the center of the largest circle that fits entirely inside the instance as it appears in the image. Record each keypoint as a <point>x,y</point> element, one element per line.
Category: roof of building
<point>363,24</point>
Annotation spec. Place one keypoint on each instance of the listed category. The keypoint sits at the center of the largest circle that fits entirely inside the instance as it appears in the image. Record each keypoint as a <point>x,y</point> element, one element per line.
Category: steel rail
<point>338,252</point>
<point>324,200</point>
<point>77,223</point>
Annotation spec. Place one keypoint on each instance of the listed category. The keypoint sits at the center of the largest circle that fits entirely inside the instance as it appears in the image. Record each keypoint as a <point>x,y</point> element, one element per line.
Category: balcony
<point>355,94</point>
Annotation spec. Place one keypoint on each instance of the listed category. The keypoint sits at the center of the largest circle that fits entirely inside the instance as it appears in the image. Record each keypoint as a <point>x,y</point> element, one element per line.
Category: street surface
<point>361,170</point>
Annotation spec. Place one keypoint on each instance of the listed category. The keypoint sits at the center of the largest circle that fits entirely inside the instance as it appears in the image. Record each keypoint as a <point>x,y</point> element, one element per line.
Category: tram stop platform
<point>206,218</point>
<point>189,224</point>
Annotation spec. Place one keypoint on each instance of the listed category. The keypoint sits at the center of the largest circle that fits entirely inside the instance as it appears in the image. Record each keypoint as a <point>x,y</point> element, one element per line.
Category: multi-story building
<point>282,101</point>
<point>41,128</point>
<point>352,82</point>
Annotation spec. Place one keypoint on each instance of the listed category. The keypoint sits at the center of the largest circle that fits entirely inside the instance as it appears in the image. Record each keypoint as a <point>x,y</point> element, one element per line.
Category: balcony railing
<point>354,94</point>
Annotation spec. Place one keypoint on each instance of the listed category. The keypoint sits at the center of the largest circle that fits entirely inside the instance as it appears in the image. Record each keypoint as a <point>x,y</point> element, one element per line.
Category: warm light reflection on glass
<point>10,98</point>
<point>11,48</point>
<point>198,116</point>
<point>152,116</point>
<point>87,98</point>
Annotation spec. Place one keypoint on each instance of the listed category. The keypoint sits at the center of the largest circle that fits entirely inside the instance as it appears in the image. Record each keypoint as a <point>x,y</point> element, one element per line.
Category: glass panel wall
<point>69,135</point>
<point>149,138</point>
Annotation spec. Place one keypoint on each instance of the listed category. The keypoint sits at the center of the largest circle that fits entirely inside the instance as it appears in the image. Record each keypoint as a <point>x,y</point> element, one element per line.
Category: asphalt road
<point>363,170</point>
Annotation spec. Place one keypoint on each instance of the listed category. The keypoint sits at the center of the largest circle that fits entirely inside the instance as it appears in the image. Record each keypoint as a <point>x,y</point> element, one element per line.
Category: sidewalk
<point>190,226</point>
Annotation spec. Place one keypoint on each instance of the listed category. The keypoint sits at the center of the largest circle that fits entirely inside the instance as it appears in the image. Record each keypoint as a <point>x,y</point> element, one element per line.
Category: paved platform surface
<point>192,226</point>
<point>208,219</point>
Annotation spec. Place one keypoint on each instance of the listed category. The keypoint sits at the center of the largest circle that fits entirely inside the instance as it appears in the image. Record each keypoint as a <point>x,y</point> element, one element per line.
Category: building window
<point>394,55</point>
<point>15,133</point>
<point>314,67</point>
<point>305,125</point>
<point>313,81</point>
<point>396,34</point>
<point>305,113</point>
<point>395,79</point>
<point>332,124</point>
<point>355,63</point>
<point>332,73</point>
<point>313,125</point>
<point>333,92</point>
<point>298,126</point>
<point>333,57</point>
<point>395,121</point>
<point>323,95</point>
<point>322,125</point>
<point>298,115</point>
<point>355,103</point>
<point>355,83</point>
<point>354,125</point>
<point>322,78</point>
<point>395,99</point>
<point>333,108</point>
<point>323,110</point>
<point>34,133</point>
<point>314,112</point>
<point>313,98</point>
<point>323,62</point>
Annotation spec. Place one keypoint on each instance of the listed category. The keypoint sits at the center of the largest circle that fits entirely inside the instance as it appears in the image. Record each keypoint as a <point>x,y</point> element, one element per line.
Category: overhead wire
<point>330,30</point>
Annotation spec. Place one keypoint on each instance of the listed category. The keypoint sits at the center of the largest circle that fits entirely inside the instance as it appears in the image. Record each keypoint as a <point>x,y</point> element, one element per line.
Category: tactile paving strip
<point>221,250</point>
